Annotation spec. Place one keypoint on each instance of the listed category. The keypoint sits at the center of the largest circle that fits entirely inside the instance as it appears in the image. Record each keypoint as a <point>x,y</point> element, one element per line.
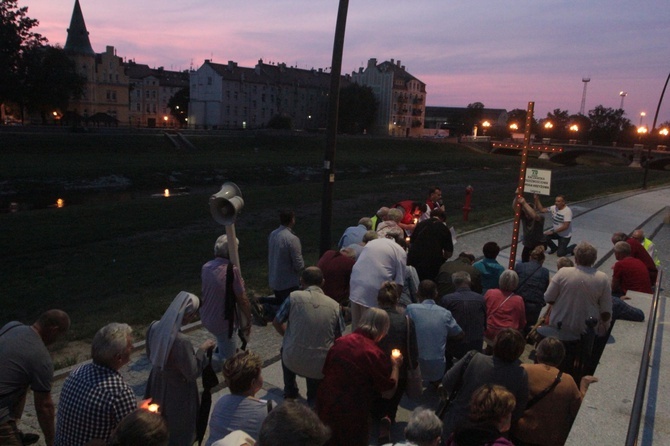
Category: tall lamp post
<point>623,95</point>
<point>653,126</point>
<point>642,115</point>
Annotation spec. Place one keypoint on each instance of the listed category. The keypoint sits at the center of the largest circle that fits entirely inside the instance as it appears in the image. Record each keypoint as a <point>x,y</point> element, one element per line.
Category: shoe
<point>258,313</point>
<point>384,431</point>
<point>28,439</point>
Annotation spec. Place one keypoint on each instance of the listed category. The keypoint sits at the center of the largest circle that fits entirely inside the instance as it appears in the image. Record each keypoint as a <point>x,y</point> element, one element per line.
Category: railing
<point>641,388</point>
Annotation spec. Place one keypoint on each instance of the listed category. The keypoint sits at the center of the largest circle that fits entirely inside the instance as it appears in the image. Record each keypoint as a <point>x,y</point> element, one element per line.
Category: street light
<point>623,95</point>
<point>514,126</point>
<point>642,115</point>
<point>548,125</point>
<point>574,128</point>
<point>486,125</point>
<point>663,132</point>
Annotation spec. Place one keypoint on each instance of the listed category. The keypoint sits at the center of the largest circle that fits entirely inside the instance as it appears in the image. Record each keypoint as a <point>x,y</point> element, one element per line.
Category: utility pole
<point>331,132</point>
<point>586,81</point>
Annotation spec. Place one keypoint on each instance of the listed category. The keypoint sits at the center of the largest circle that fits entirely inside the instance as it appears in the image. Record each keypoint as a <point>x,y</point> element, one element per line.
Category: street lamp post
<point>642,115</point>
<point>486,125</point>
<point>623,95</point>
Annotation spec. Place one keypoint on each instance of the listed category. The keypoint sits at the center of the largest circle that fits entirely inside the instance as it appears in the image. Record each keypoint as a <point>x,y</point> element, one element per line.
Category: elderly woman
<point>504,309</point>
<point>533,282</point>
<point>549,413</point>
<point>490,417</point>
<point>401,336</point>
<point>477,369</point>
<point>240,410</point>
<point>175,368</point>
<point>355,372</point>
<point>140,428</point>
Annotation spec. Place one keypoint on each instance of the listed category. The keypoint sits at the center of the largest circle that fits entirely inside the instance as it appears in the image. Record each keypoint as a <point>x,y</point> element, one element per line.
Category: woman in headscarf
<point>175,368</point>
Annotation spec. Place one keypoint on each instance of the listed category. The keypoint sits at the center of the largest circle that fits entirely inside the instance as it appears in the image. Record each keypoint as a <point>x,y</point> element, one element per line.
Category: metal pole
<point>651,132</point>
<point>521,184</point>
<point>331,133</point>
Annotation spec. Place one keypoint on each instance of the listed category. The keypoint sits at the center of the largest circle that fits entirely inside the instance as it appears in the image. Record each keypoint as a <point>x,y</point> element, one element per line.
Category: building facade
<point>150,91</point>
<point>401,98</point>
<point>228,96</point>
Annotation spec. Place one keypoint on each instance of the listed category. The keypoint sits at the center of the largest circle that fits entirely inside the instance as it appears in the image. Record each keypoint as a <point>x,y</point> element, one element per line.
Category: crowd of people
<point>454,327</point>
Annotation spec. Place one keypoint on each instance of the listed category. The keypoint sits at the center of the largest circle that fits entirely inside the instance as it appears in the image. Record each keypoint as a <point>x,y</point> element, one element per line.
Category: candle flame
<point>60,203</point>
<point>153,408</point>
<point>167,192</point>
<point>395,353</point>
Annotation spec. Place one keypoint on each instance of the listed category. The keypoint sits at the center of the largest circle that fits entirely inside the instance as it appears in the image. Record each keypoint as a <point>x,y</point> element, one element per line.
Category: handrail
<point>641,387</point>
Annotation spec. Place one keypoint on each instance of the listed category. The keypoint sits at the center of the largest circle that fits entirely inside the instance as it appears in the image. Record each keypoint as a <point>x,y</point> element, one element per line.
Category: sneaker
<point>28,439</point>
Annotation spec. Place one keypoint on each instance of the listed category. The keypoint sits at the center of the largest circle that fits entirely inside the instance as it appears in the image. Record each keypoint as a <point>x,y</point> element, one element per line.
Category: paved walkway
<point>595,220</point>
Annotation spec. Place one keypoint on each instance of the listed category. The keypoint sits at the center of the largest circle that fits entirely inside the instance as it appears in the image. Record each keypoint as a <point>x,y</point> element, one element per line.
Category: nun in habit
<point>175,368</point>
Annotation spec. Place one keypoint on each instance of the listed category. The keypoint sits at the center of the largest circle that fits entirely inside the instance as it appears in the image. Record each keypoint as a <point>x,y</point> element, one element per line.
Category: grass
<point>123,256</point>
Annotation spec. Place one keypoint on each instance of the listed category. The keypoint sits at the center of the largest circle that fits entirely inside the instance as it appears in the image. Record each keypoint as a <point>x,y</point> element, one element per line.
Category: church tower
<point>77,35</point>
<point>107,87</point>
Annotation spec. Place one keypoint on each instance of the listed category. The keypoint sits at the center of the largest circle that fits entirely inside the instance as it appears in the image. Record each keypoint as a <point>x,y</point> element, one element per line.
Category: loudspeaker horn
<point>226,204</point>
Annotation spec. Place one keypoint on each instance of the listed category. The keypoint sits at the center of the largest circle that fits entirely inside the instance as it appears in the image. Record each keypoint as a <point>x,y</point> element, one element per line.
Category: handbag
<point>414,388</point>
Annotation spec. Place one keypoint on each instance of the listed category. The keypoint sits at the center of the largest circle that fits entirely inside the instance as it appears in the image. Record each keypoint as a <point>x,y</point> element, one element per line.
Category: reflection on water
<point>59,199</point>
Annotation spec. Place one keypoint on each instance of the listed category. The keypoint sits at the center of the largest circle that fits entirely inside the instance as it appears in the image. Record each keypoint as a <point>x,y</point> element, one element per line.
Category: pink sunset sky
<point>502,53</point>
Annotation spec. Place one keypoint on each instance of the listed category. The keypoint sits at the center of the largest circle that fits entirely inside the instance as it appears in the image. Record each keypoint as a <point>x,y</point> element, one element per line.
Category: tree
<point>49,79</point>
<point>280,122</point>
<point>16,39</point>
<point>357,109</point>
<point>607,124</point>
<point>473,116</point>
<point>178,105</point>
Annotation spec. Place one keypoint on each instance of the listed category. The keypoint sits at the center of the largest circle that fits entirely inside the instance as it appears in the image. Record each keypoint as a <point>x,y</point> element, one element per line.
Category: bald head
<point>51,325</point>
<point>638,235</point>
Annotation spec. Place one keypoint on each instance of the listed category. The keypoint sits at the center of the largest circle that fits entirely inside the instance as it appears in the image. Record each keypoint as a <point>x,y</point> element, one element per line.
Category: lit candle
<point>167,192</point>
<point>153,408</point>
<point>60,203</point>
<point>395,353</point>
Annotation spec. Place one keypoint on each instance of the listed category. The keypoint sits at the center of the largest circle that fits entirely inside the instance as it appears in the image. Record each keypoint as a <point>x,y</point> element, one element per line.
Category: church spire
<point>77,35</point>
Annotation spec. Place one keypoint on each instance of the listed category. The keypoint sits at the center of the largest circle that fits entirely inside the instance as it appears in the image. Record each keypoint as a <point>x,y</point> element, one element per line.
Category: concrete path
<point>594,221</point>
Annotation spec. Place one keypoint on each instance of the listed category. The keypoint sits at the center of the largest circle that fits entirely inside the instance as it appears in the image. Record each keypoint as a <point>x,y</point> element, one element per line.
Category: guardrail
<point>641,387</point>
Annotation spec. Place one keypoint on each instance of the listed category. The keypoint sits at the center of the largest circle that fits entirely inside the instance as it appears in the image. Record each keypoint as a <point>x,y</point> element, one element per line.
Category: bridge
<point>659,157</point>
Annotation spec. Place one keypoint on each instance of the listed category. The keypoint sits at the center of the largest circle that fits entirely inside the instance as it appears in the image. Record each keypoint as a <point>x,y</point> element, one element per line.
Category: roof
<point>77,35</point>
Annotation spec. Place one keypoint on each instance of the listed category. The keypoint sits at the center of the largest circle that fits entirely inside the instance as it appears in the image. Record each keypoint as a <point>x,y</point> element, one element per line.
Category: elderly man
<point>628,273</point>
<point>95,398</point>
<point>430,246</point>
<point>469,310</point>
<point>354,234</point>
<point>561,230</point>
<point>647,244</point>
<point>380,216</point>
<point>285,263</point>
<point>434,325</point>
<point>310,322</point>
<point>463,262</point>
<point>638,251</point>
<point>577,294</point>
<point>27,364</point>
<point>219,278</point>
<point>382,259</point>
<point>391,226</point>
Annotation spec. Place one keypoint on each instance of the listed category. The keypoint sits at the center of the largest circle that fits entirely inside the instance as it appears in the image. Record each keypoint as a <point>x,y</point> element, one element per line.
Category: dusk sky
<point>502,53</point>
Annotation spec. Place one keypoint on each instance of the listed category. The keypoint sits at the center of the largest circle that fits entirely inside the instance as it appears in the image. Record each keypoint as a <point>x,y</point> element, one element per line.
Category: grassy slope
<point>125,260</point>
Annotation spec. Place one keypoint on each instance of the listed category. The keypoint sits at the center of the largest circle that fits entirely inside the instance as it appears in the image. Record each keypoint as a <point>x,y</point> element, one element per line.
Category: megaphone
<point>226,204</point>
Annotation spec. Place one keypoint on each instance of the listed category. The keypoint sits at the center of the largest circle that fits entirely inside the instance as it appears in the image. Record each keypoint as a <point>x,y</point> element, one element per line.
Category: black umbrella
<point>209,381</point>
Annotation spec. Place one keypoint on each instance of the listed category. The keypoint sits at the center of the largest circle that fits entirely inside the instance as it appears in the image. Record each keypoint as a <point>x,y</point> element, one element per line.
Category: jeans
<point>225,348</point>
<point>291,385</point>
<point>562,249</point>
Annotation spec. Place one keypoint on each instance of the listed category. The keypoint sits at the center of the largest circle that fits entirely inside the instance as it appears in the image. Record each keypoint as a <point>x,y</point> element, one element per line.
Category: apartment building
<point>401,98</point>
<point>227,96</point>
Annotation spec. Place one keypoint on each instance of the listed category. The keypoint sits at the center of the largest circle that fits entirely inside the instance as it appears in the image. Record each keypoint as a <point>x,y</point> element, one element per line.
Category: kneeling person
<point>310,322</point>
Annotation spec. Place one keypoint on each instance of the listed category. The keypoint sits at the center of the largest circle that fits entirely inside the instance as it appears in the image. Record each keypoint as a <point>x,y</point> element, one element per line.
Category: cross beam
<point>536,148</point>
